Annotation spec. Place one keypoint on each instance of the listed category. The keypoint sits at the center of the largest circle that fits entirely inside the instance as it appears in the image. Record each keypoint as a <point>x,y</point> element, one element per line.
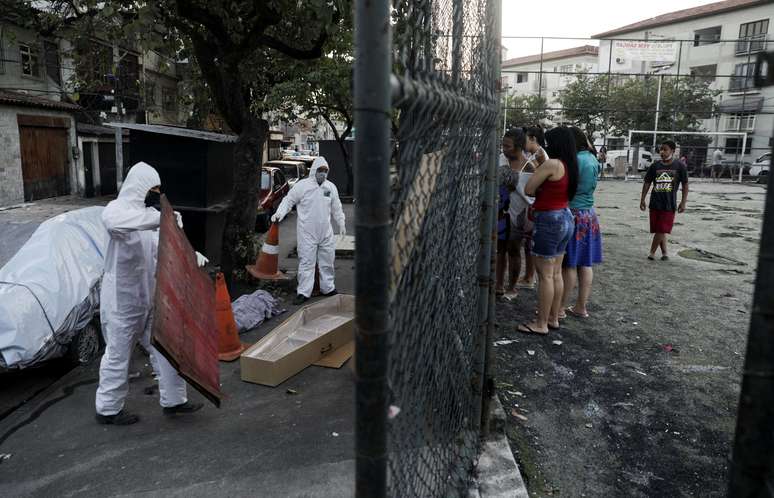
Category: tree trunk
<point>239,239</point>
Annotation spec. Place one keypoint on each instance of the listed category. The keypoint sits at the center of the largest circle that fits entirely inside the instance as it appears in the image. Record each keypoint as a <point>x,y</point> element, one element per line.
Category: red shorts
<point>661,221</point>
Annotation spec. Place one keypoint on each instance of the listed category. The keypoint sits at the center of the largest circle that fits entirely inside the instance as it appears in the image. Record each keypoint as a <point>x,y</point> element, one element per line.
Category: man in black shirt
<point>666,176</point>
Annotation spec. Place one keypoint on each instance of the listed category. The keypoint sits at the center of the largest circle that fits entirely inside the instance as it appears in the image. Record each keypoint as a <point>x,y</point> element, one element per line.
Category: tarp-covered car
<point>49,292</point>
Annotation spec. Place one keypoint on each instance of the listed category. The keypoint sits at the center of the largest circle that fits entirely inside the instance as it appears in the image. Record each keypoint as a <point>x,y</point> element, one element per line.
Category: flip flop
<point>551,327</point>
<point>525,285</point>
<point>499,292</point>
<point>651,258</point>
<point>571,311</point>
<point>529,330</point>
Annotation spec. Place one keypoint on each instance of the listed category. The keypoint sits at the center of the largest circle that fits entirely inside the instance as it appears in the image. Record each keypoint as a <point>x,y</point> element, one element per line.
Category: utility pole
<point>658,108</point>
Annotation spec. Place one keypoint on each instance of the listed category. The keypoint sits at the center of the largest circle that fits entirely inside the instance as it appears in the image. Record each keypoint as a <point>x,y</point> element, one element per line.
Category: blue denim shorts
<point>553,230</point>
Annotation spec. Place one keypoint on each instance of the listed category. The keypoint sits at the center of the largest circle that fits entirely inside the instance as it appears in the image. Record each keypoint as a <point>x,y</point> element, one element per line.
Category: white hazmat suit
<point>126,298</point>
<point>315,202</point>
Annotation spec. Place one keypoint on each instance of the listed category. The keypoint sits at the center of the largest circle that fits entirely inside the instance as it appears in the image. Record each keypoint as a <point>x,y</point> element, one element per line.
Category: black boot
<point>331,293</point>
<point>120,418</point>
<point>300,299</point>
<point>186,407</point>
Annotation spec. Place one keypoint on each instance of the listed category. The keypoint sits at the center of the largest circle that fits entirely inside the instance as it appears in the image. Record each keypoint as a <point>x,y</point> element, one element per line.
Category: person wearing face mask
<point>317,199</point>
<point>126,298</point>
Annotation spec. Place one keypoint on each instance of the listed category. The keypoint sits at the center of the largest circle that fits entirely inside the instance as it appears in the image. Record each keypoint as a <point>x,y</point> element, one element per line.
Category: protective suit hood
<point>318,161</point>
<point>141,178</point>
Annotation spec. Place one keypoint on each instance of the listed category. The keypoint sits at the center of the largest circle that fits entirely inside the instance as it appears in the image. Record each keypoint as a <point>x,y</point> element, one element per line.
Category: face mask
<point>153,199</point>
<point>321,176</point>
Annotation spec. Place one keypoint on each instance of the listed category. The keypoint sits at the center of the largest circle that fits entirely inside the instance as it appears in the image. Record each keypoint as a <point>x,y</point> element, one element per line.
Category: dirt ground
<point>639,399</point>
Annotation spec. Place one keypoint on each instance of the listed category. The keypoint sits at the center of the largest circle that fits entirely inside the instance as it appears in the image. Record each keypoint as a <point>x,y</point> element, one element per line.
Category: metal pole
<point>628,155</point>
<point>540,76</point>
<point>373,107</point>
<point>676,89</point>
<point>658,106</point>
<point>119,138</point>
<point>607,96</point>
<point>488,233</point>
<point>744,148</point>
<point>458,29</point>
<point>751,466</point>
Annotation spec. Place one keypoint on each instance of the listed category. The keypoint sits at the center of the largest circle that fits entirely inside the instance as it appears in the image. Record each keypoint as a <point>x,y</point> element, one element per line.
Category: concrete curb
<point>498,473</point>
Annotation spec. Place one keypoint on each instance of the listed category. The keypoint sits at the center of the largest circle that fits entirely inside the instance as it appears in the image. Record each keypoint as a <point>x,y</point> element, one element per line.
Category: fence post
<point>487,232</point>
<point>751,465</point>
<point>373,43</point>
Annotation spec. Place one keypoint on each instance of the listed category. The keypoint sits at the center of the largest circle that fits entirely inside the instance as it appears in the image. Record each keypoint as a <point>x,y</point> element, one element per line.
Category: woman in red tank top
<point>553,184</point>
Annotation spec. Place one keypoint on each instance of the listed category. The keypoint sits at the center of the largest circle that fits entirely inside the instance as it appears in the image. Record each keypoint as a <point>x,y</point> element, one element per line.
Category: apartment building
<point>719,43</point>
<point>548,73</point>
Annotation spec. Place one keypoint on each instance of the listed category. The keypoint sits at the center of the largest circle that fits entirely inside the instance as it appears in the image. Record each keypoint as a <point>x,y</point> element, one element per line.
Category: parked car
<point>761,165</point>
<point>290,153</point>
<point>645,159</point>
<point>272,189</point>
<point>49,292</point>
<point>293,169</point>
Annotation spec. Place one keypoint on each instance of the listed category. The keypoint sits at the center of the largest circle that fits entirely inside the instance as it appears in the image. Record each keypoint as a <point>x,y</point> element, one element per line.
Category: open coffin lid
<point>301,340</point>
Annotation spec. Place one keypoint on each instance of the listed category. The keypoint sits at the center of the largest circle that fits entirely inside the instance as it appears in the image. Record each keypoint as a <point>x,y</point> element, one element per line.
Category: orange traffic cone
<point>229,346</point>
<point>265,267</point>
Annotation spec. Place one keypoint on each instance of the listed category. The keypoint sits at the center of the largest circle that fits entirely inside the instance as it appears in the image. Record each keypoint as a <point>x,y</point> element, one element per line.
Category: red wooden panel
<point>184,329</point>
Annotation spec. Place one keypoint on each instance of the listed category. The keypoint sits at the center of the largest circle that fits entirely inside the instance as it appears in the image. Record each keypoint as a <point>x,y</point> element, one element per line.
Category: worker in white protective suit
<point>317,199</point>
<point>126,298</point>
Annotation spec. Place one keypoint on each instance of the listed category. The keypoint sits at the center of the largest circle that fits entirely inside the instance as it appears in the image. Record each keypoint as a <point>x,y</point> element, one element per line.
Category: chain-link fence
<point>698,91</point>
<point>444,59</point>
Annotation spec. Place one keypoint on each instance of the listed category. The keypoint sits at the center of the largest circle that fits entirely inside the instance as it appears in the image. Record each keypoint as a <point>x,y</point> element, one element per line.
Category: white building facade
<point>547,74</point>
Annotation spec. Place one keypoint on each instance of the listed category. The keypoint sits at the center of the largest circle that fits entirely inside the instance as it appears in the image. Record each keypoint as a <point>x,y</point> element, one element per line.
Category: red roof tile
<point>20,99</point>
<point>684,15</point>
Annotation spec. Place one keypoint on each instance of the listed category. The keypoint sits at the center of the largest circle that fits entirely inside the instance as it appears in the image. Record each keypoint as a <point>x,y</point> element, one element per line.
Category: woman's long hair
<point>560,144</point>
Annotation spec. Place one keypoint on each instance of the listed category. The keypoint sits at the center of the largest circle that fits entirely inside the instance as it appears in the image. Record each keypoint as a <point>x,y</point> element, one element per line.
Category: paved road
<point>16,226</point>
<point>640,399</point>
<point>262,441</point>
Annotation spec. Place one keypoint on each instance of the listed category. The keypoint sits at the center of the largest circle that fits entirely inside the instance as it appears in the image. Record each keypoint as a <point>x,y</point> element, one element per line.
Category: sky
<point>573,18</point>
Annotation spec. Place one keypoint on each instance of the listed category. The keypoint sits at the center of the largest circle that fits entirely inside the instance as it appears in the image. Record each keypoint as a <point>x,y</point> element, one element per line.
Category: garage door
<point>44,156</point>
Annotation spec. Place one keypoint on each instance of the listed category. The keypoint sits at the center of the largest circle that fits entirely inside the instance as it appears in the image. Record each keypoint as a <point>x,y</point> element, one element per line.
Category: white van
<point>645,159</point>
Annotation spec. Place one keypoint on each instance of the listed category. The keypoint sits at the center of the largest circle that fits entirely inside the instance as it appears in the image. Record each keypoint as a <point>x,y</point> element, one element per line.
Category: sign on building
<point>658,52</point>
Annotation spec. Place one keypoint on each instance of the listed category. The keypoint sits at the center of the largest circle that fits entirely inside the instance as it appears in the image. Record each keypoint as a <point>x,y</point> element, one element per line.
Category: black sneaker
<point>186,407</point>
<point>120,418</point>
<point>331,293</point>
<point>300,299</point>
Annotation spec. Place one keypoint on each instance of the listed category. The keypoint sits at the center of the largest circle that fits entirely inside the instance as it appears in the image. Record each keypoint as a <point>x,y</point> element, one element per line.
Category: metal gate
<point>44,157</point>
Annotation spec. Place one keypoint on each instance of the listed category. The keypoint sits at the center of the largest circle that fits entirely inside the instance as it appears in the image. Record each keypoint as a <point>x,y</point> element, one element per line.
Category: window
<point>705,74</point>
<point>169,99</point>
<point>279,180</point>
<point>2,54</point>
<point>743,77</point>
<point>734,145</point>
<point>53,69</point>
<point>265,180</point>
<point>706,36</point>
<point>522,77</point>
<point>30,60</point>
<point>150,94</point>
<point>752,37</point>
<point>567,68</point>
<point>742,121</point>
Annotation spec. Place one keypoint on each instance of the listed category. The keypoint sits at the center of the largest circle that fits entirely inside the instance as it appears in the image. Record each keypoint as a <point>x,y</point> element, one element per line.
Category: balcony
<point>751,44</point>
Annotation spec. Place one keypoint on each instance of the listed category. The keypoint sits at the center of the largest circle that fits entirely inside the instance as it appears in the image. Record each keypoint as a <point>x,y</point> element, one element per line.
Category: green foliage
<point>684,103</point>
<point>525,110</point>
